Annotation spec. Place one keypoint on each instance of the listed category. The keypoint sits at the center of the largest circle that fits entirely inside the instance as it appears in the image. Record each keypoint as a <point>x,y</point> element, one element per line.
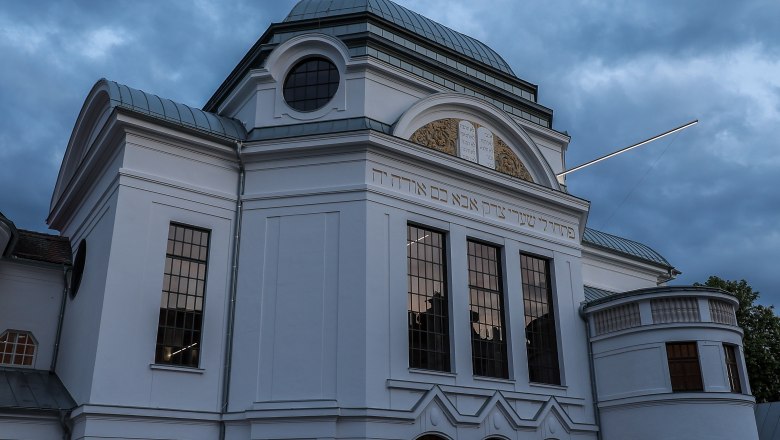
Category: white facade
<point>305,317</point>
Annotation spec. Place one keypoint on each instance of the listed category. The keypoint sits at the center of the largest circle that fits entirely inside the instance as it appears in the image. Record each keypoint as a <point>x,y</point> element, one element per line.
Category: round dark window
<point>311,84</point>
<point>78,268</point>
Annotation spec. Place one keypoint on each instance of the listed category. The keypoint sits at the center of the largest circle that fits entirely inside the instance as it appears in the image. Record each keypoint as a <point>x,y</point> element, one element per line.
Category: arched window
<point>17,348</point>
<point>431,437</point>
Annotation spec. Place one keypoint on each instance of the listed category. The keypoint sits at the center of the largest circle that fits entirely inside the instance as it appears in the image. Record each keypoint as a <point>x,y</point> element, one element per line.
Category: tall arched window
<point>17,348</point>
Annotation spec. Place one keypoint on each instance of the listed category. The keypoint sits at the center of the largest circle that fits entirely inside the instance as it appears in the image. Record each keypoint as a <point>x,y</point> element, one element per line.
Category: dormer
<point>379,60</point>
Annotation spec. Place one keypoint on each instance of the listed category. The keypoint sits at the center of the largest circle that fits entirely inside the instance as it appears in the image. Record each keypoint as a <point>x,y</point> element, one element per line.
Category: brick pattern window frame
<point>183,295</point>
<point>17,348</point>
<point>486,308</point>
<point>428,300</point>
<point>540,327</point>
<point>732,367</point>
<point>684,368</point>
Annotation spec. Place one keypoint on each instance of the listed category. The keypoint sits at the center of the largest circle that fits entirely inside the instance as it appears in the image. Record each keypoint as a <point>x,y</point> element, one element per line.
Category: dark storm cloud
<point>53,52</point>
<point>615,72</point>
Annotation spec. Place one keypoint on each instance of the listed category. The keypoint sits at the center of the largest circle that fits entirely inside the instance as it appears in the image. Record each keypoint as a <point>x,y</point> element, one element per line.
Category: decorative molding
<point>507,161</point>
<point>442,135</point>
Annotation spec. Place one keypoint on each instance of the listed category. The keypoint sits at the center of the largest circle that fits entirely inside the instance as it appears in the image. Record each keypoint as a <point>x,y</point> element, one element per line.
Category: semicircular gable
<point>93,114</point>
<point>478,131</point>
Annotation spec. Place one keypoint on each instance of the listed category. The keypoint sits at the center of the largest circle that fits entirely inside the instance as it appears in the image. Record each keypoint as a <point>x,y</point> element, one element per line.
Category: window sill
<point>494,379</point>
<point>433,372</point>
<point>190,370</point>
<point>549,385</point>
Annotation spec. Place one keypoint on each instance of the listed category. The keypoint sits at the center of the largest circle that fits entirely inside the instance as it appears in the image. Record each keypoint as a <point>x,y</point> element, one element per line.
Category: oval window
<point>311,84</point>
<point>78,268</point>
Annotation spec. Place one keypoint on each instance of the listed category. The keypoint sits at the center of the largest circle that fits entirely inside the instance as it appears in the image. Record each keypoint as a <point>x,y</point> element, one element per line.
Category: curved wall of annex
<point>665,361</point>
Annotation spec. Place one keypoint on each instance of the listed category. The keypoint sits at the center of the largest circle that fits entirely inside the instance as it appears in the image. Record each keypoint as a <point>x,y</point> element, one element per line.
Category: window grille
<point>17,348</point>
<point>488,337</point>
<point>722,312</point>
<point>732,368</point>
<point>183,291</point>
<point>311,84</point>
<point>617,318</point>
<point>428,308</point>
<point>675,310</point>
<point>541,341</point>
<point>684,370</point>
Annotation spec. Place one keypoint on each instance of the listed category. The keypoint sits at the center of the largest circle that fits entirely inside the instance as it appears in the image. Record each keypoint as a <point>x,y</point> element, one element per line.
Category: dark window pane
<point>178,332</point>
<point>541,341</point>
<point>732,368</point>
<point>488,341</point>
<point>684,371</point>
<point>311,84</point>
<point>428,311</point>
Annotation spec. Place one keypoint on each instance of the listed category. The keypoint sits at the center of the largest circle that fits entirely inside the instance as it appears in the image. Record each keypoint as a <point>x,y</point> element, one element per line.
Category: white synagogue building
<point>363,234</point>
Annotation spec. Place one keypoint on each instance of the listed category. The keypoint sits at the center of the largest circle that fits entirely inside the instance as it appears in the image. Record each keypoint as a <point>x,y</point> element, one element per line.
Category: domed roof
<point>409,20</point>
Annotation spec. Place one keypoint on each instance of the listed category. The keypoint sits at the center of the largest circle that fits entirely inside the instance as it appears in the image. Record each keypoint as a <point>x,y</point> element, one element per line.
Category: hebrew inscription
<point>465,201</point>
<point>486,151</point>
<point>467,141</point>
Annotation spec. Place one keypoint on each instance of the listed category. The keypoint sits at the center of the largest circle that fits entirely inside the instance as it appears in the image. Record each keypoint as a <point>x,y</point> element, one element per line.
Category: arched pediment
<point>107,95</point>
<point>95,111</point>
<point>475,130</point>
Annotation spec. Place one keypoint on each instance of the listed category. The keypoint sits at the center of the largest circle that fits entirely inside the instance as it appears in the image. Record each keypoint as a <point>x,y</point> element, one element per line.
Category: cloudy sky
<point>615,72</point>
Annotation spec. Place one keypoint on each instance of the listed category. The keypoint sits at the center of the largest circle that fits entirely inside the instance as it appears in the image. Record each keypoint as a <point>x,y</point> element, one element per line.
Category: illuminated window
<point>311,84</point>
<point>429,328</point>
<point>684,370</point>
<point>17,348</point>
<point>183,290</point>
<point>732,368</point>
<point>488,333</point>
<point>541,341</point>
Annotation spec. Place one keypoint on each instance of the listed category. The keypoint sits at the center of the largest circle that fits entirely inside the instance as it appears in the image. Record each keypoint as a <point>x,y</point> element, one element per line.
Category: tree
<point>762,338</point>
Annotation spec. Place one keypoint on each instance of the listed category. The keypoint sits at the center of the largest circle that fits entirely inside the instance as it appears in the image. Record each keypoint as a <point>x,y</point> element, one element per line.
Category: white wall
<point>322,305</point>
<point>616,273</point>
<point>30,297</point>
<point>162,182</point>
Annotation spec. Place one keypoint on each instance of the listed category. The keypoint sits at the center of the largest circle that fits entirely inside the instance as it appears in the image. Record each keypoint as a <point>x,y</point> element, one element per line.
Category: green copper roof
<point>623,245</point>
<point>593,293</point>
<point>27,389</point>
<point>404,18</point>
<point>318,128</point>
<point>173,112</point>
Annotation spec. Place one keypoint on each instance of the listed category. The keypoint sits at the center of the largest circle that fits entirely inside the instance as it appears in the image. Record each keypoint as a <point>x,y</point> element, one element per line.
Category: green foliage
<point>762,338</point>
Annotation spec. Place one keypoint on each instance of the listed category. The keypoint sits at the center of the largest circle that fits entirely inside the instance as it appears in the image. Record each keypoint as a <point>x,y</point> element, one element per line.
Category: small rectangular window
<point>428,308</point>
<point>732,368</point>
<point>183,292</point>
<point>488,331</point>
<point>540,329</point>
<point>684,370</point>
